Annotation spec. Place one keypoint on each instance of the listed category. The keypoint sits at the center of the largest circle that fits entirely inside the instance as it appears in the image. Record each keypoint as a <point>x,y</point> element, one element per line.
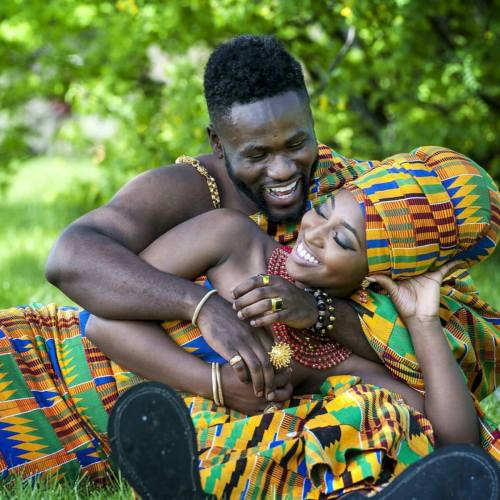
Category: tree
<point>385,75</point>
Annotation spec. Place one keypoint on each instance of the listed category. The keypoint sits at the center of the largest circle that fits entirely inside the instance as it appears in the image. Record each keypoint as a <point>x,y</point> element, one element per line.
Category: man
<point>265,163</point>
<point>264,155</point>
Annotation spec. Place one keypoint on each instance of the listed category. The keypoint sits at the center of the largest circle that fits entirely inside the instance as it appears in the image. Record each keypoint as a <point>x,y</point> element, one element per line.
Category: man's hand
<point>241,397</point>
<point>230,337</point>
<point>253,302</point>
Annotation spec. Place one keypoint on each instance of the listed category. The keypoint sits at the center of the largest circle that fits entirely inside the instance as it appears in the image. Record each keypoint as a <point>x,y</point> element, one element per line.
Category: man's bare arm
<point>95,260</point>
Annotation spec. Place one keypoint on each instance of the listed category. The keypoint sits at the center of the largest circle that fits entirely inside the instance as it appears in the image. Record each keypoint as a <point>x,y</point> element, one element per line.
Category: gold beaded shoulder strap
<point>212,184</point>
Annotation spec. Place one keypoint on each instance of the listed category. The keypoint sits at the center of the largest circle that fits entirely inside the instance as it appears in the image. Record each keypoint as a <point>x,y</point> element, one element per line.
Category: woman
<point>228,268</point>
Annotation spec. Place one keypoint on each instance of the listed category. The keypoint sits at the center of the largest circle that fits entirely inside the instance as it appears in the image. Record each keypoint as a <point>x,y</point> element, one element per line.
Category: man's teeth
<point>283,189</point>
<point>305,254</point>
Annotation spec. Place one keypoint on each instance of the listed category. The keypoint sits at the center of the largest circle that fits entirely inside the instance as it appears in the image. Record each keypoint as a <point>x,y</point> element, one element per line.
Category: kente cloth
<point>426,208</point>
<point>471,325</point>
<point>56,390</point>
<point>348,437</point>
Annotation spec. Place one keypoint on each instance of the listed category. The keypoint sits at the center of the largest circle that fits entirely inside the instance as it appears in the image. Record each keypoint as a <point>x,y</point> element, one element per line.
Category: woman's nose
<point>315,234</point>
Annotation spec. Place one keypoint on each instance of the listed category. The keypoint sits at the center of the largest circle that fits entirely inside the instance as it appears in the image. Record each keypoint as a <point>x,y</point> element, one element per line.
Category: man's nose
<point>281,168</point>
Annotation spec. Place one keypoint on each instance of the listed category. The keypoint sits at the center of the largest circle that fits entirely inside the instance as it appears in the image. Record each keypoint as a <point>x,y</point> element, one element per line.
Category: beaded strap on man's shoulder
<point>212,184</point>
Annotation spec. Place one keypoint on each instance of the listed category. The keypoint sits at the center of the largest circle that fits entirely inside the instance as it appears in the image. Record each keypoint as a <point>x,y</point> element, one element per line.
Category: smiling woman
<point>331,248</point>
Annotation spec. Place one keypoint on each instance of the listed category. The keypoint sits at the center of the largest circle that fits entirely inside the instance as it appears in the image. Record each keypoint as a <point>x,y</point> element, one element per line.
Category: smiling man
<point>265,162</point>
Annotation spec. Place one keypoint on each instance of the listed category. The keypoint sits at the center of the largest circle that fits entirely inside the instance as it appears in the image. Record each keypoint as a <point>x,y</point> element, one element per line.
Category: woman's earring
<point>363,294</point>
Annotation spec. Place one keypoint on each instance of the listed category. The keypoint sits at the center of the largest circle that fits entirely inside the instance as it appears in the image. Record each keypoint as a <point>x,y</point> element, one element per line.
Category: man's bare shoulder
<point>171,187</point>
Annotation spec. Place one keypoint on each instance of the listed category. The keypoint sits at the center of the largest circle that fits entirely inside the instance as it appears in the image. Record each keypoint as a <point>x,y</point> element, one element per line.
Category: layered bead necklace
<point>308,349</point>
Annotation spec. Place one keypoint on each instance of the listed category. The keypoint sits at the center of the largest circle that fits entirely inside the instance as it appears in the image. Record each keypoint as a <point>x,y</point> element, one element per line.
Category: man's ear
<point>215,141</point>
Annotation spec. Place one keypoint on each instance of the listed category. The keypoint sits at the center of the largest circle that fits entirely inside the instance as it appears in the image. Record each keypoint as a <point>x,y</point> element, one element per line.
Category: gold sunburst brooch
<point>280,355</point>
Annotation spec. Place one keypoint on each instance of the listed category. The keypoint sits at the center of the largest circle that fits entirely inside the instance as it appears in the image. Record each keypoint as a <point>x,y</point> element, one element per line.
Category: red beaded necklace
<point>307,348</point>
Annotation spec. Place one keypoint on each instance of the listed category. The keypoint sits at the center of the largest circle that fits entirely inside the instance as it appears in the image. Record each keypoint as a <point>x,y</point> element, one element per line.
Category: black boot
<point>458,472</point>
<point>153,443</point>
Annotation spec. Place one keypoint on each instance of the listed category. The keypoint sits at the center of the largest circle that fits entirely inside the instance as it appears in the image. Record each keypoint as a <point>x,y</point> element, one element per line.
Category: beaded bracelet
<point>326,311</point>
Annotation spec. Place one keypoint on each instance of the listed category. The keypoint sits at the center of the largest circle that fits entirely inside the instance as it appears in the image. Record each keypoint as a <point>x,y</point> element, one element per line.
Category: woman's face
<point>331,247</point>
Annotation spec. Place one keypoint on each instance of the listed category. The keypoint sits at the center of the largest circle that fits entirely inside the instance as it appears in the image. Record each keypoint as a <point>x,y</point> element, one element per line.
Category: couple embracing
<point>335,340</point>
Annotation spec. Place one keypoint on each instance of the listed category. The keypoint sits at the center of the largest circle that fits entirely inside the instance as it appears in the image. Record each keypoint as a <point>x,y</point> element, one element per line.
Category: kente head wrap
<point>425,208</point>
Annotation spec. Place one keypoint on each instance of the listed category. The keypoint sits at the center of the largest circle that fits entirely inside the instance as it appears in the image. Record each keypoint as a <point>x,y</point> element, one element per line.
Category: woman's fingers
<point>268,319</point>
<point>255,296</point>
<point>449,267</point>
<point>384,281</point>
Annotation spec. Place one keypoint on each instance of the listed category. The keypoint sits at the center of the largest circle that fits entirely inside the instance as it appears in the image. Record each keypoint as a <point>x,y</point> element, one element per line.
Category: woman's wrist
<point>420,321</point>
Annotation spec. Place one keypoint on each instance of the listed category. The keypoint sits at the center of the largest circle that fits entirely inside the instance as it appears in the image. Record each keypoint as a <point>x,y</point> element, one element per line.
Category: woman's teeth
<point>305,254</point>
<point>284,190</point>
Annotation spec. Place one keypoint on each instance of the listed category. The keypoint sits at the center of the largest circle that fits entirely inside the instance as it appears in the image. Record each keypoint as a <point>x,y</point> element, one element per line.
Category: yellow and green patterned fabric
<point>348,437</point>
<point>56,390</point>
<point>426,208</point>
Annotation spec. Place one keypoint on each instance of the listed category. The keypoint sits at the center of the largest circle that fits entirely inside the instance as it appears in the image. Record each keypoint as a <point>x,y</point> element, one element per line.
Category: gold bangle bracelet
<point>214,385</point>
<point>219,385</point>
<point>201,303</point>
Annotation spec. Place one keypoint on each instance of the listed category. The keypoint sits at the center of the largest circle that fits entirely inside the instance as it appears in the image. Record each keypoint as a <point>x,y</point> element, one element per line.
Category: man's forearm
<point>115,283</point>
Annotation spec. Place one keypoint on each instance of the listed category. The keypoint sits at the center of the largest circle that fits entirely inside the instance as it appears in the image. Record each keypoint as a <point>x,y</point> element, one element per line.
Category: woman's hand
<point>417,298</point>
<point>253,302</point>
<point>241,397</point>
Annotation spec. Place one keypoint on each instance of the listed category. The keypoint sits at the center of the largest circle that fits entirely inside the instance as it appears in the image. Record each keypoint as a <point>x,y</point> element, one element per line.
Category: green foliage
<point>385,75</point>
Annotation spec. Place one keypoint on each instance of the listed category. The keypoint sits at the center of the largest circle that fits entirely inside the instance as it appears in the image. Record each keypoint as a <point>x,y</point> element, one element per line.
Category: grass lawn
<point>44,197</point>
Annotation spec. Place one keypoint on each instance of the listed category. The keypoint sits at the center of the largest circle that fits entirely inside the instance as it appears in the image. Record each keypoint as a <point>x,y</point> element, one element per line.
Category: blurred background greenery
<point>94,92</point>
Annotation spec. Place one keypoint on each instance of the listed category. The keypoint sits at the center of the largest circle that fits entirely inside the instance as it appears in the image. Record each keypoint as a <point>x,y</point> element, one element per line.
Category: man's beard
<point>258,198</point>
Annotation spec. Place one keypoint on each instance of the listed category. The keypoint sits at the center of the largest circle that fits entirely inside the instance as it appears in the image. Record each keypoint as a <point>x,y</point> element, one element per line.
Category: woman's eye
<point>342,242</point>
<point>296,144</point>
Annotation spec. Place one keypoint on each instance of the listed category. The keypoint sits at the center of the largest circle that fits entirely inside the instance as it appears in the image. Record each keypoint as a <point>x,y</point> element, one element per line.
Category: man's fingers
<point>282,377</point>
<point>248,285</point>
<point>283,393</point>
<point>384,281</point>
<point>255,368</point>
<point>268,372</point>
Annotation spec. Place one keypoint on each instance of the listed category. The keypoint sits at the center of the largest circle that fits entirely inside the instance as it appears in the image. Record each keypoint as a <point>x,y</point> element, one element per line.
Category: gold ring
<point>266,279</point>
<point>271,408</point>
<point>235,359</point>
<point>280,355</point>
<point>276,304</point>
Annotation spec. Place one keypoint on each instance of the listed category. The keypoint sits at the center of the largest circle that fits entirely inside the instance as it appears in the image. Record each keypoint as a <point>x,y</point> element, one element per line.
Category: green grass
<point>52,489</point>
<point>45,195</point>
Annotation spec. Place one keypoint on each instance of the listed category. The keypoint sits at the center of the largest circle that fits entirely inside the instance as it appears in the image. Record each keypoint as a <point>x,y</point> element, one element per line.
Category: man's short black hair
<point>249,68</point>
